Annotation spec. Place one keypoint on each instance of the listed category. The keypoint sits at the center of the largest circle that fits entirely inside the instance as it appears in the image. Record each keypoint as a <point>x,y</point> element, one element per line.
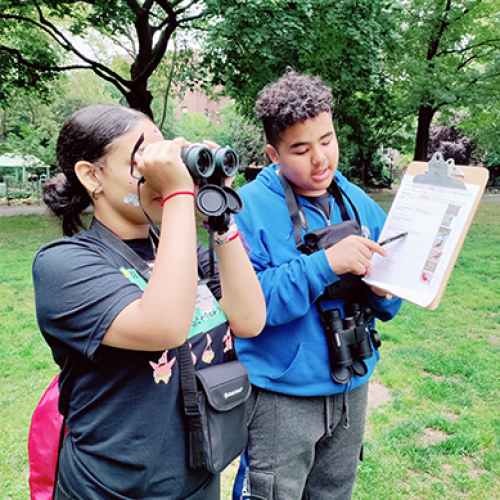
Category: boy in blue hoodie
<point>311,364</point>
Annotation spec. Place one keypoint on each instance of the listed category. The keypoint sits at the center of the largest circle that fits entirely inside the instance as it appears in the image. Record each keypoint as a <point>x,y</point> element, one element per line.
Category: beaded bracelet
<point>231,234</point>
<point>177,193</point>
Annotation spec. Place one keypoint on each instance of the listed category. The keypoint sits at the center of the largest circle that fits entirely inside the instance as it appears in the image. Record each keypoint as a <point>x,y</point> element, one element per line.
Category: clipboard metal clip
<point>437,173</point>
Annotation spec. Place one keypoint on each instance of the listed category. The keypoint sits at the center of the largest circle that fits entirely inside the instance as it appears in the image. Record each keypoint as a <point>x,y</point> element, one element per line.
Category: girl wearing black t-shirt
<point>114,335</point>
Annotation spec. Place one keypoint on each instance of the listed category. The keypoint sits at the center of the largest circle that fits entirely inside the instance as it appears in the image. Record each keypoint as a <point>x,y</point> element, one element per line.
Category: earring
<point>98,189</point>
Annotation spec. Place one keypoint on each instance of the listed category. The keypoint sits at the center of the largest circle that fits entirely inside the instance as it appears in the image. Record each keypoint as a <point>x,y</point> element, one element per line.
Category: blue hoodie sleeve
<point>290,281</point>
<point>290,289</point>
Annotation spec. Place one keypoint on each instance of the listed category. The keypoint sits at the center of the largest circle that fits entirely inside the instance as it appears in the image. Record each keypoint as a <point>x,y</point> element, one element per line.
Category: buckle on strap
<point>191,410</point>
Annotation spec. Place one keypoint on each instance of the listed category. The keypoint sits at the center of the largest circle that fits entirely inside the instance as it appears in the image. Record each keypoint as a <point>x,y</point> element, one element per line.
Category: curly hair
<point>290,99</point>
<point>87,135</point>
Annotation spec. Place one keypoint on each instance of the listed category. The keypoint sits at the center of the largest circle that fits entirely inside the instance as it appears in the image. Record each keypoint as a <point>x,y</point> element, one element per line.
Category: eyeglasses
<point>132,155</point>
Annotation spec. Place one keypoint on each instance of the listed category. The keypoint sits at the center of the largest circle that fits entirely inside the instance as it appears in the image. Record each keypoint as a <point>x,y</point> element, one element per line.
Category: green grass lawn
<point>438,437</point>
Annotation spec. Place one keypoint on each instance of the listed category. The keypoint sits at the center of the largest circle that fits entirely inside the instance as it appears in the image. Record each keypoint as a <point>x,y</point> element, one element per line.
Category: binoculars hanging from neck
<point>210,168</point>
<point>349,341</point>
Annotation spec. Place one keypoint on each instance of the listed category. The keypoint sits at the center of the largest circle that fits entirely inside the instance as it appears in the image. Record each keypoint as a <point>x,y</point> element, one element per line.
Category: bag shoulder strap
<point>121,248</point>
<point>339,194</point>
<point>189,391</point>
<point>186,368</point>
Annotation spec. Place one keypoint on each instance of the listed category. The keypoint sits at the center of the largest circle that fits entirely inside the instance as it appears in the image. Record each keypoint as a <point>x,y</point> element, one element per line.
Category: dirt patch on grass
<point>437,378</point>
<point>432,436</point>
<point>474,471</point>
<point>378,394</point>
<point>474,336</point>
<point>493,339</point>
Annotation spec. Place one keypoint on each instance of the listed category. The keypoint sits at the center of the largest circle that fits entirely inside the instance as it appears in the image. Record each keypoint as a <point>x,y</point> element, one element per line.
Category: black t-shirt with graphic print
<point>127,436</point>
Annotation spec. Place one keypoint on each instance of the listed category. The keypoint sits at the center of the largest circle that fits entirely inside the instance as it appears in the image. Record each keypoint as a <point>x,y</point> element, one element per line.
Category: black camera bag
<point>325,237</point>
<point>216,411</point>
<point>349,285</point>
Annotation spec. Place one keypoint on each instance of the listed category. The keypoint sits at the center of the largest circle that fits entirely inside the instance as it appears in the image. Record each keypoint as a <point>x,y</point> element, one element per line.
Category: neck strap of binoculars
<point>298,215</point>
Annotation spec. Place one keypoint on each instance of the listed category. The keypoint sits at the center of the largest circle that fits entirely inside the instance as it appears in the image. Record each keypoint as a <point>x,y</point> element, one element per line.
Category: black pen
<point>394,238</point>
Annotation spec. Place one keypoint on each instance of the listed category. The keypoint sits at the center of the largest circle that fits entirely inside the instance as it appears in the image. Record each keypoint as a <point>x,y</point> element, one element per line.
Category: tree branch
<point>186,7</point>
<point>192,18</point>
<point>474,57</point>
<point>486,43</point>
<point>122,87</point>
<point>167,8</point>
<point>169,84</point>
<point>441,28</point>
<point>469,85</point>
<point>59,37</point>
<point>40,67</point>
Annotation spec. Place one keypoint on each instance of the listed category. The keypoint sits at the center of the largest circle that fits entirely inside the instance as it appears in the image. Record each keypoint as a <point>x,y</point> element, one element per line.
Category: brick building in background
<point>194,101</point>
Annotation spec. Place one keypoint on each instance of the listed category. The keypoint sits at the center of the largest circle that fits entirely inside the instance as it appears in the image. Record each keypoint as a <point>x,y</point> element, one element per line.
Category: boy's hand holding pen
<point>393,238</point>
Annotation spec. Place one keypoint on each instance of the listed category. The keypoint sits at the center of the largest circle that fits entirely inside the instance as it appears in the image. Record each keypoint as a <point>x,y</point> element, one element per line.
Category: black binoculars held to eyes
<point>349,341</point>
<point>209,168</point>
<point>211,165</point>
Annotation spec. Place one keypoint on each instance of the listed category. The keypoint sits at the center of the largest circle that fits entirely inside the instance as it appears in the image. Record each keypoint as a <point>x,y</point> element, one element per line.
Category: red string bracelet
<point>177,193</point>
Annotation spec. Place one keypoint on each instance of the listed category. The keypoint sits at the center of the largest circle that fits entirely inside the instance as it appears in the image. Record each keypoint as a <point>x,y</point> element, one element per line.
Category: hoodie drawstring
<point>345,411</point>
<point>329,412</point>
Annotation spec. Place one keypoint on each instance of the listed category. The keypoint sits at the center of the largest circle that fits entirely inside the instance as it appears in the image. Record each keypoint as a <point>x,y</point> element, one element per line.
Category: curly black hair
<point>292,98</point>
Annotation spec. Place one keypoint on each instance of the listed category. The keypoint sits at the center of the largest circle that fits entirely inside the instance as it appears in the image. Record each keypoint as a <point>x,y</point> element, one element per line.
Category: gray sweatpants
<point>305,448</point>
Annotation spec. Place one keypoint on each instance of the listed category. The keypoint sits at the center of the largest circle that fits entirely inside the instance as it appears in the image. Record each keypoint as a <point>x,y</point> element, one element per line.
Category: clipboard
<point>435,204</point>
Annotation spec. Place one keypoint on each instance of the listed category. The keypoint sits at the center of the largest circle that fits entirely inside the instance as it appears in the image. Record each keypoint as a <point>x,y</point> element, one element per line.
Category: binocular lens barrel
<point>227,163</point>
<point>333,318</point>
<point>340,355</point>
<point>209,168</point>
<point>199,160</point>
<point>202,162</point>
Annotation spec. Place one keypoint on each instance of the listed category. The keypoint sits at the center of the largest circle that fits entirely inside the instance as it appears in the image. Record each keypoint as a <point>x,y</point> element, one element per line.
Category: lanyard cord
<point>154,236</point>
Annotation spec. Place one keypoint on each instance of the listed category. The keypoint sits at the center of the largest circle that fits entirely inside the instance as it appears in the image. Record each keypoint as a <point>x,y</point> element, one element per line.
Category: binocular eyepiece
<point>209,169</point>
<point>348,342</point>
<point>205,163</point>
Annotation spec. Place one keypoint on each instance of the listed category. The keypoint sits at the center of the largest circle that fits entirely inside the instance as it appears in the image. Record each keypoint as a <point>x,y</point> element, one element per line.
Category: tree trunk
<point>425,115</point>
<point>139,97</point>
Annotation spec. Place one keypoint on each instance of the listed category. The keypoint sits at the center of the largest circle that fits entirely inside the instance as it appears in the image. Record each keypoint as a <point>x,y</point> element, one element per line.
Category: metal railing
<point>13,189</point>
